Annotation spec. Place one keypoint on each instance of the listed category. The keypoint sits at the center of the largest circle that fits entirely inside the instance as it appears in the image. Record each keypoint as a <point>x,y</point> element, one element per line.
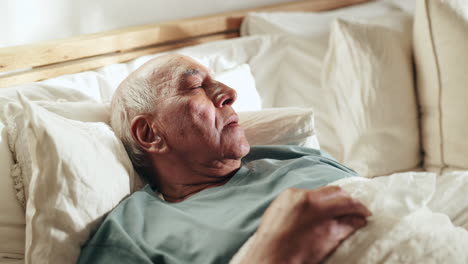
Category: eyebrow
<point>188,73</point>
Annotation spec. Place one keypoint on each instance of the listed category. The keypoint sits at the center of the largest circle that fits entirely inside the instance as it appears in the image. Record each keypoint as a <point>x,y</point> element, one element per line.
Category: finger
<point>347,225</point>
<point>341,230</point>
<point>342,206</point>
<point>352,220</point>
<point>327,193</point>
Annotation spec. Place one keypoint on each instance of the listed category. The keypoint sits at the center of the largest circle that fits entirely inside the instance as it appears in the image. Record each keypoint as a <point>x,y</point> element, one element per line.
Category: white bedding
<point>451,198</point>
<point>417,218</point>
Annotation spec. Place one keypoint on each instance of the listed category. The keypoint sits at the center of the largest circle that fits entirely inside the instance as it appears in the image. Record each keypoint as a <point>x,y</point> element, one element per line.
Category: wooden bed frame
<point>30,63</point>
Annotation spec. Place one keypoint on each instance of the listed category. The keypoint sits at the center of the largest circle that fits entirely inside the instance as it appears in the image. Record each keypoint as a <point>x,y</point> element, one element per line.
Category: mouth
<point>232,121</point>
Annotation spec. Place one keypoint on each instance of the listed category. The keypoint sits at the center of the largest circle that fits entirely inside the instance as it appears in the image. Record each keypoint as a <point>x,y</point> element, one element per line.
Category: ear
<point>146,135</point>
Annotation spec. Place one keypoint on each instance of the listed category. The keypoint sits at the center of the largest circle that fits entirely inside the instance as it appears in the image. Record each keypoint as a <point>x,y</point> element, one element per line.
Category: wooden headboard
<point>29,63</point>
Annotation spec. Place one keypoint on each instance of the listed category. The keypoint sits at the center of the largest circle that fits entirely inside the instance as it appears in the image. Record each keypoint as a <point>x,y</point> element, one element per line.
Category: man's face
<point>194,114</point>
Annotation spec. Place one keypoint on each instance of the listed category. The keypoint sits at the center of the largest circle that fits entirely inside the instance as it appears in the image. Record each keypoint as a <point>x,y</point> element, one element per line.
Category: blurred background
<point>29,21</point>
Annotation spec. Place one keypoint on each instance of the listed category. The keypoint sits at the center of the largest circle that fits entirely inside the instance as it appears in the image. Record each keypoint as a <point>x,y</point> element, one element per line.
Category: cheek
<point>201,113</point>
<point>174,119</point>
<point>191,118</point>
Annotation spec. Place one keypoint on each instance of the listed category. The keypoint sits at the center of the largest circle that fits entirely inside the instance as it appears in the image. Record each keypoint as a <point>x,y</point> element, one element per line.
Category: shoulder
<point>112,240</point>
<point>123,218</point>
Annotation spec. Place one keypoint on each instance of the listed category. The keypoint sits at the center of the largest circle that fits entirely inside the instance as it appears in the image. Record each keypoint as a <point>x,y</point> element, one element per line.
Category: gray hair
<point>133,96</point>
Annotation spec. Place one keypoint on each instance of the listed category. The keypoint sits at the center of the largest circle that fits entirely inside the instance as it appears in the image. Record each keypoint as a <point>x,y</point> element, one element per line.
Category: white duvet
<point>417,218</point>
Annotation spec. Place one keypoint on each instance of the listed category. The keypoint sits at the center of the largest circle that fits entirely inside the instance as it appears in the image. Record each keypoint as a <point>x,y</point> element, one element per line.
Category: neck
<point>178,182</point>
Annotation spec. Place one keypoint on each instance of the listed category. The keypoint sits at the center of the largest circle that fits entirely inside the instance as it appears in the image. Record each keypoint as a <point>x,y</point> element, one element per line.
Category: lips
<point>232,121</point>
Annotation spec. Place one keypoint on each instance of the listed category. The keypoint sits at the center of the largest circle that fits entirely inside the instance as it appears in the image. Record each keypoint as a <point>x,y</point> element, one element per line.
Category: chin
<point>245,148</point>
<point>242,149</point>
<point>238,146</point>
<point>237,150</point>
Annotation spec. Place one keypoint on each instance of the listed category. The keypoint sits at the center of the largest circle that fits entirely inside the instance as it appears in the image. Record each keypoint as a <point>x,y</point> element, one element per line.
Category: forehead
<point>179,69</point>
<point>183,65</point>
<point>167,74</point>
<point>187,67</point>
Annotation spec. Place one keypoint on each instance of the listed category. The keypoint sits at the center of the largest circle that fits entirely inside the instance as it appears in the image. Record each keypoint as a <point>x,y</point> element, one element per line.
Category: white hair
<point>133,96</point>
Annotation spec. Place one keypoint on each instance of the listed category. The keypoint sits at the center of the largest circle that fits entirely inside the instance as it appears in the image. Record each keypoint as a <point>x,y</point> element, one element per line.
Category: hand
<point>306,226</point>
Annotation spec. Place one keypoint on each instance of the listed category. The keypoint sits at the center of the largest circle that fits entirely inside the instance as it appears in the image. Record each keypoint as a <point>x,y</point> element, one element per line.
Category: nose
<point>224,95</point>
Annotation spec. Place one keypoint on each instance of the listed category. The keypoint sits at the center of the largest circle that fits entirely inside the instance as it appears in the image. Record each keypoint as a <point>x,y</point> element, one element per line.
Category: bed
<point>380,85</point>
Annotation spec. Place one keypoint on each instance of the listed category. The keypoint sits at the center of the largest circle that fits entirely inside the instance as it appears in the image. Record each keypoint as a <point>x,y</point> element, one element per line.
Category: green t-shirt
<point>211,225</point>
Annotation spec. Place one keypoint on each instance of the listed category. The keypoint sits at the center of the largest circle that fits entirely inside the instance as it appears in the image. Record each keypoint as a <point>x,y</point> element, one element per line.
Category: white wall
<point>29,21</point>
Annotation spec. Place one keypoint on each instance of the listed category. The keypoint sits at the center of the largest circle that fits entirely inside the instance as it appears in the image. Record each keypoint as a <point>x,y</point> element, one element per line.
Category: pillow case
<point>298,72</point>
<point>441,58</point>
<point>12,218</point>
<point>406,5</point>
<point>21,171</point>
<point>80,171</point>
<point>280,126</point>
<point>303,51</point>
<point>369,117</point>
<point>310,24</point>
<point>12,222</point>
<point>450,197</point>
<point>85,111</point>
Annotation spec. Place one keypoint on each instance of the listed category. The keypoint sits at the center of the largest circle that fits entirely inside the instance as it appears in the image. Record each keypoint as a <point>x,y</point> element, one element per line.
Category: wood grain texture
<point>91,51</point>
<point>54,70</point>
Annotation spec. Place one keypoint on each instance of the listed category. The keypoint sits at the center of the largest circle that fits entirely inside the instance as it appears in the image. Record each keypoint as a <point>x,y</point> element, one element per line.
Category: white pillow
<point>309,24</point>
<point>21,171</point>
<point>299,59</point>
<point>280,126</point>
<point>240,79</point>
<point>12,193</point>
<point>85,111</point>
<point>441,58</point>
<point>450,197</point>
<point>369,115</point>
<point>12,218</point>
<point>12,222</point>
<point>80,171</point>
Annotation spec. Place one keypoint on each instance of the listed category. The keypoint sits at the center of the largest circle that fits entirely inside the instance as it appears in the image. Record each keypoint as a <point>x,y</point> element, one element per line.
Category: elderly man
<point>208,191</point>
